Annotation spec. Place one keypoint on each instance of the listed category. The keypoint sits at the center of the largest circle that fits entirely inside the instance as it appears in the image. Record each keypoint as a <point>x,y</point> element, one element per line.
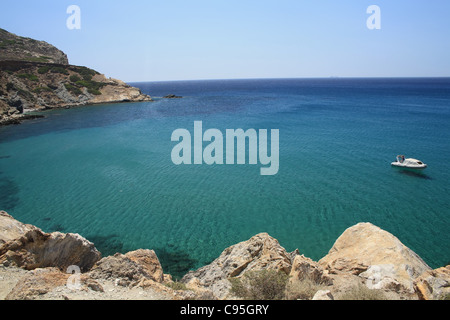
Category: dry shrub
<point>260,285</point>
<point>303,289</point>
<point>361,292</point>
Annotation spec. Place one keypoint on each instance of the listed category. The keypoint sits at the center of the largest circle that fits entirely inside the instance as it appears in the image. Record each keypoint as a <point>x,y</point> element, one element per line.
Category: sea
<point>106,171</point>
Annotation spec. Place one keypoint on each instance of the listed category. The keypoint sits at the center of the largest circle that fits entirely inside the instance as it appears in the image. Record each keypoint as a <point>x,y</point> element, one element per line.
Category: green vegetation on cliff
<point>34,75</point>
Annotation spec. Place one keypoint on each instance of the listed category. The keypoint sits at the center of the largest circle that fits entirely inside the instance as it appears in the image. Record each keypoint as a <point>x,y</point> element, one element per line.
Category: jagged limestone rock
<point>434,284</point>
<point>129,269</point>
<point>365,245</point>
<point>258,253</point>
<point>28,247</point>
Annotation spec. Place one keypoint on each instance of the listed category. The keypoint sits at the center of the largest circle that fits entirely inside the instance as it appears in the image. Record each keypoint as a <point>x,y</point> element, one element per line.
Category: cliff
<point>14,47</point>
<point>365,262</point>
<point>36,76</point>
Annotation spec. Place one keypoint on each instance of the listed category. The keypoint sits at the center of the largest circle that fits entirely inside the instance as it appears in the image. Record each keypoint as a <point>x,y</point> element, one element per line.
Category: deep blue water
<point>106,171</point>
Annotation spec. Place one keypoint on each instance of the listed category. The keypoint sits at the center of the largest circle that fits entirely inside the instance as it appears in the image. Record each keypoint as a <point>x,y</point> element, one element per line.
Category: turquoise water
<point>106,173</point>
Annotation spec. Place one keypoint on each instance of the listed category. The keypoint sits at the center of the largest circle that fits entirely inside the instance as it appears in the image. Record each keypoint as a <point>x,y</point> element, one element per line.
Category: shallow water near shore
<point>106,172</point>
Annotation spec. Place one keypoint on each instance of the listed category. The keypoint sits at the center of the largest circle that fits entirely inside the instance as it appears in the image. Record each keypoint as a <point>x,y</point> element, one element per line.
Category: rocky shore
<point>35,265</point>
<point>35,76</point>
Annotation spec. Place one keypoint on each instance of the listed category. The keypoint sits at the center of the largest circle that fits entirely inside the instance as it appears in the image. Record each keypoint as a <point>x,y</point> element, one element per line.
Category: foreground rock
<point>28,247</point>
<point>434,284</point>
<point>35,265</point>
<point>365,262</point>
<point>11,229</point>
<point>130,268</point>
<point>52,284</point>
<point>260,252</point>
<point>376,256</point>
<point>304,268</point>
<point>37,283</point>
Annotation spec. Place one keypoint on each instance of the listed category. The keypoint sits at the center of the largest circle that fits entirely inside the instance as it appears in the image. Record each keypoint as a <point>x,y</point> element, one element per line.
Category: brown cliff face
<point>32,81</point>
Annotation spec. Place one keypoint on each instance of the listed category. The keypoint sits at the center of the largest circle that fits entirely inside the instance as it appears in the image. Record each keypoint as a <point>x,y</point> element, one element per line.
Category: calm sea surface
<point>106,172</point>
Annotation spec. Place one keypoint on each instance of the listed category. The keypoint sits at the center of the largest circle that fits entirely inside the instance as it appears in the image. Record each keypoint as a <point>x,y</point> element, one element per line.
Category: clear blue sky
<point>139,40</point>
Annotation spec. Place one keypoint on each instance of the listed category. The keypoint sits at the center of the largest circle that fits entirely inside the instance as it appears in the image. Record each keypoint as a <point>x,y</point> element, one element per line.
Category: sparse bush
<point>25,94</point>
<point>94,92</point>
<point>176,285</point>
<point>260,285</point>
<point>38,59</point>
<point>86,73</point>
<point>92,86</point>
<point>28,76</point>
<point>43,70</point>
<point>72,89</point>
<point>74,78</point>
<point>304,289</point>
<point>60,70</point>
<point>39,90</point>
<point>361,292</point>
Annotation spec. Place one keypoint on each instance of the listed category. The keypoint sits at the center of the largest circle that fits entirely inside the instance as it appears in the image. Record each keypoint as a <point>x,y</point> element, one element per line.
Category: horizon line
<point>297,78</point>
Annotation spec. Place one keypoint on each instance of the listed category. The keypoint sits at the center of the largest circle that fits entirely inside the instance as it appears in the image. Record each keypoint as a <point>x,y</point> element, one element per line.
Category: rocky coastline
<point>35,265</point>
<point>36,76</point>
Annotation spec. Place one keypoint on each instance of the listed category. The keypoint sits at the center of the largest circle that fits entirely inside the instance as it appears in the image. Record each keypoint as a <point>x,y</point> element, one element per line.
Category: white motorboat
<point>409,163</point>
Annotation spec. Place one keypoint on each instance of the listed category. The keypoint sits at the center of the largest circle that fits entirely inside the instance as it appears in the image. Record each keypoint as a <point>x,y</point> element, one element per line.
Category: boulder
<point>11,229</point>
<point>258,253</point>
<point>29,247</point>
<point>434,284</point>
<point>37,283</point>
<point>50,284</point>
<point>149,262</point>
<point>129,269</point>
<point>381,277</point>
<point>323,295</point>
<point>305,268</point>
<point>365,245</point>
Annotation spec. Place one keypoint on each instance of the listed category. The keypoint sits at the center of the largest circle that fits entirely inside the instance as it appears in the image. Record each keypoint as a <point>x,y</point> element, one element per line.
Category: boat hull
<point>403,166</point>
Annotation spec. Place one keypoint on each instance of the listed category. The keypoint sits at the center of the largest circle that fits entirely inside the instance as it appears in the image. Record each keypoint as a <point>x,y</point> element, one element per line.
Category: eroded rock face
<point>29,247</point>
<point>149,262</point>
<point>363,255</point>
<point>129,269</point>
<point>323,295</point>
<point>36,283</point>
<point>370,252</point>
<point>305,268</point>
<point>434,284</point>
<point>11,229</point>
<point>260,252</point>
<point>36,76</point>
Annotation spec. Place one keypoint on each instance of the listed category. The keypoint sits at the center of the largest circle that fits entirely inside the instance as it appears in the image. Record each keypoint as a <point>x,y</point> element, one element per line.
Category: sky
<point>146,40</point>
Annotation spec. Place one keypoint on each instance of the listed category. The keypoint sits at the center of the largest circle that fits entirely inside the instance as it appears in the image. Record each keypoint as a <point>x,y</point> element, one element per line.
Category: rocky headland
<point>36,76</point>
<point>365,262</point>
